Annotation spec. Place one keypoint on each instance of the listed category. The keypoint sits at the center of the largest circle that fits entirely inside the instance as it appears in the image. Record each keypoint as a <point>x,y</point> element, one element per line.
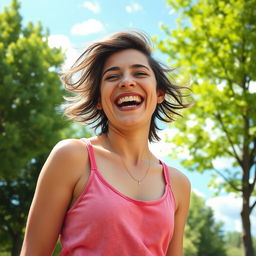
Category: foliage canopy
<point>30,118</point>
<point>216,42</point>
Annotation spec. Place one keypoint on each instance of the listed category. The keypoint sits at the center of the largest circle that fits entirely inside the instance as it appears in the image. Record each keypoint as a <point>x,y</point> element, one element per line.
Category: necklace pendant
<point>139,182</point>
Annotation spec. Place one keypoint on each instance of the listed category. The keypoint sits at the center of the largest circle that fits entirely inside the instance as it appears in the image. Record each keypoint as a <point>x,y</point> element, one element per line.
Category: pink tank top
<point>104,221</point>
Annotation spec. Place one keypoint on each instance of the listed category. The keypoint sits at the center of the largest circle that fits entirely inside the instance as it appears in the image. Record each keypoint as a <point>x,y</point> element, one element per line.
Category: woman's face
<point>128,89</point>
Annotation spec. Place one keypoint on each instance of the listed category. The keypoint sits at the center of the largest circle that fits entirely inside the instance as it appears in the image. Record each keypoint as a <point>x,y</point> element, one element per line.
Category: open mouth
<point>129,101</point>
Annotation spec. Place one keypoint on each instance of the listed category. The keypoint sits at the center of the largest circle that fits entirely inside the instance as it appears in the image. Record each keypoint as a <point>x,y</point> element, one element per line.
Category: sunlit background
<point>74,24</point>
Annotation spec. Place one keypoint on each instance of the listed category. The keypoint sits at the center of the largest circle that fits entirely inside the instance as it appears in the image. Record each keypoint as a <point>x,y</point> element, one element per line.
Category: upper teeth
<point>129,98</point>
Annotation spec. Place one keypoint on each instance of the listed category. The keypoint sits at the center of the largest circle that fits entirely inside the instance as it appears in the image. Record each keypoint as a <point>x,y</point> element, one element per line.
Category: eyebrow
<point>117,68</point>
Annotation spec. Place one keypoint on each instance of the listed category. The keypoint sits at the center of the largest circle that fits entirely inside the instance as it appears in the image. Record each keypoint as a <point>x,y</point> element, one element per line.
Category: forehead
<point>126,58</point>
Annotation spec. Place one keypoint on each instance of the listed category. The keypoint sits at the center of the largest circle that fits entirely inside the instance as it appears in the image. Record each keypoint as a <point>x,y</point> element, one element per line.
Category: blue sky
<point>74,24</point>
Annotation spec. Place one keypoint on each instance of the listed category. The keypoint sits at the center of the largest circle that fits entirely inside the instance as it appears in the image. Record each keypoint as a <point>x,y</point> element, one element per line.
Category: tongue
<point>128,103</point>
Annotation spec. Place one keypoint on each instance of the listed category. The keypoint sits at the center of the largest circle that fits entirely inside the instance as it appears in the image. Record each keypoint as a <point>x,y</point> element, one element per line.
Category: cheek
<point>106,91</point>
<point>106,88</point>
<point>152,88</point>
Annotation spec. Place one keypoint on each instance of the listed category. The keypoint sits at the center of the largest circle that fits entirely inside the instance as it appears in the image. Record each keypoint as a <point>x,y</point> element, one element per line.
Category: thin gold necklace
<point>130,174</point>
<point>127,170</point>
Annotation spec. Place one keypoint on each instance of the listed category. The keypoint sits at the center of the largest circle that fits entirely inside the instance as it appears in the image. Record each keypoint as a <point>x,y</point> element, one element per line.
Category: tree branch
<point>229,152</point>
<point>253,205</point>
<point>218,116</point>
<point>253,152</point>
<point>228,181</point>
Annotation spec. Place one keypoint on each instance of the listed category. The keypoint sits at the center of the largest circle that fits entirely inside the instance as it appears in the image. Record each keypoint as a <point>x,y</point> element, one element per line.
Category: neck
<point>133,146</point>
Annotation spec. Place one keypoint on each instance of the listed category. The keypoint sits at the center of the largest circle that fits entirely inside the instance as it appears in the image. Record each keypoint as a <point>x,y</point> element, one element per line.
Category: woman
<point>109,195</point>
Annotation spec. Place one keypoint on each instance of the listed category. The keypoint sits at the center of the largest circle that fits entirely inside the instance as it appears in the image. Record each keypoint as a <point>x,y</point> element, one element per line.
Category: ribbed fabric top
<point>104,221</point>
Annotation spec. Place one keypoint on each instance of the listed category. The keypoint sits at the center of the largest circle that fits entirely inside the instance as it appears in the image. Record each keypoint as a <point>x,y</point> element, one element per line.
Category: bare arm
<point>181,190</point>
<point>53,195</point>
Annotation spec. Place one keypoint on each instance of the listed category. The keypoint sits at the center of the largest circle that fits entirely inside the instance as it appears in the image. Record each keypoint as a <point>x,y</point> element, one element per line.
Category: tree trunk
<point>16,245</point>
<point>245,215</point>
<point>246,190</point>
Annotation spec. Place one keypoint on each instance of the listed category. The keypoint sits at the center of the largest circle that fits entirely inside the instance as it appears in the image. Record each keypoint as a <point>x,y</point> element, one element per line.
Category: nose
<point>127,82</point>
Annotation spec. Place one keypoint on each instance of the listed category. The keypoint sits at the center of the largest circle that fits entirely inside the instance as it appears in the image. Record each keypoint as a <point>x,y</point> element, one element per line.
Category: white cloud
<point>222,163</point>
<point>227,209</point>
<point>160,24</point>
<point>87,27</point>
<point>64,42</point>
<point>172,11</point>
<point>133,7</point>
<point>252,87</point>
<point>59,41</point>
<point>92,6</point>
<point>162,148</point>
<point>198,193</point>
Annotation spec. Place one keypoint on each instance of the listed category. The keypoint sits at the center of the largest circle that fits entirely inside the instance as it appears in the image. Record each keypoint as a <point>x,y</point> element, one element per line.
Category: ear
<point>99,105</point>
<point>160,96</point>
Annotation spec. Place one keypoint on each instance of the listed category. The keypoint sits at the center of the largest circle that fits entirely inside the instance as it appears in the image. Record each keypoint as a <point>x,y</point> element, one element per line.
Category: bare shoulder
<point>180,184</point>
<point>54,191</point>
<point>63,169</point>
<point>72,149</point>
<point>178,177</point>
<point>67,159</point>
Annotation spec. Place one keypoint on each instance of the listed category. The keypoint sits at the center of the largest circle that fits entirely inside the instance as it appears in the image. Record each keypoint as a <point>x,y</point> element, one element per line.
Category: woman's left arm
<point>181,189</point>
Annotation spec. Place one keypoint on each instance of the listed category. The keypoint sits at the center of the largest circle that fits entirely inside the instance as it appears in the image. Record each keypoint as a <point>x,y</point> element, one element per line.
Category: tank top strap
<point>166,173</point>
<point>91,153</point>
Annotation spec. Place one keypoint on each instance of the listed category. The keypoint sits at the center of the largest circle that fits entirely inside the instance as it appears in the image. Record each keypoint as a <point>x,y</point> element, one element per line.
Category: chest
<point>125,181</point>
<point>114,174</point>
<point>104,205</point>
<point>102,215</point>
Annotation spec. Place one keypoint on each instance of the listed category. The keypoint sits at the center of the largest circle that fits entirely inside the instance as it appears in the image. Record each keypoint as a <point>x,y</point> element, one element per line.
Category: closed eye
<point>141,74</point>
<point>112,77</point>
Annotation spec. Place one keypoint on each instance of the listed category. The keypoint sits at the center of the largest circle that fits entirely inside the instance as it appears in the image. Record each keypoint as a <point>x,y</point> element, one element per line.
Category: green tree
<point>216,42</point>
<point>234,243</point>
<point>191,239</point>
<point>203,236</point>
<point>30,118</point>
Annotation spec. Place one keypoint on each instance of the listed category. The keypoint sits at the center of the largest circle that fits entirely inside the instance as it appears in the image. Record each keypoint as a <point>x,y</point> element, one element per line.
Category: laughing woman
<point>109,195</point>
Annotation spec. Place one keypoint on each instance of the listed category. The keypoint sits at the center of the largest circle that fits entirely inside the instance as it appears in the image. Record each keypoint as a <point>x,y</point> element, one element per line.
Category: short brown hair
<point>84,77</point>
